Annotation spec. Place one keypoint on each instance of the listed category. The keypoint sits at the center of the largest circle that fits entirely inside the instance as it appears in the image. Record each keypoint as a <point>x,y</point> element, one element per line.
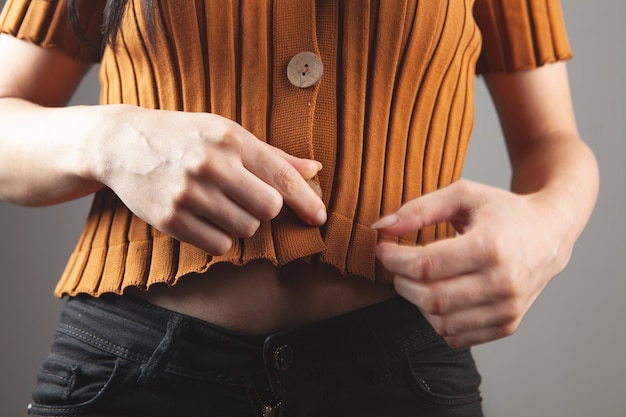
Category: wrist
<point>95,156</point>
<point>558,226</point>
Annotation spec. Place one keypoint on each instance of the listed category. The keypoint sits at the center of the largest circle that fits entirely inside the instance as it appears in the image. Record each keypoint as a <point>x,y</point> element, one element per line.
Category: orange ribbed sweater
<point>390,119</point>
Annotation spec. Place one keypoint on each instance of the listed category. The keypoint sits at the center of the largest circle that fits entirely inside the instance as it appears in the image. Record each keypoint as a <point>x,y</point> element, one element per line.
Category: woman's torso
<point>389,120</point>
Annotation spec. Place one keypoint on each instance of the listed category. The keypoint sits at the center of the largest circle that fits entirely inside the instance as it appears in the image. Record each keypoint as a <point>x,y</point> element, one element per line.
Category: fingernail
<point>385,222</point>
<point>319,165</point>
<point>320,218</point>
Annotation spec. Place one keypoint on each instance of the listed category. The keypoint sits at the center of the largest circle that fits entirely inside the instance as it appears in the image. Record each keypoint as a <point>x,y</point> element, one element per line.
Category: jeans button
<point>283,358</point>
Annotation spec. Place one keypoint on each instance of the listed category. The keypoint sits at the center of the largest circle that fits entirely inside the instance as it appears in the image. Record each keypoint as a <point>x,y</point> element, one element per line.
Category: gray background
<point>568,357</point>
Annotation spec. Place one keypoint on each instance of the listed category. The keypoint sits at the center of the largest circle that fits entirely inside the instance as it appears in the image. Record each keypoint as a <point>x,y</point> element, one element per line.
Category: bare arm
<point>478,287</point>
<point>215,181</point>
<point>547,155</point>
<point>39,158</point>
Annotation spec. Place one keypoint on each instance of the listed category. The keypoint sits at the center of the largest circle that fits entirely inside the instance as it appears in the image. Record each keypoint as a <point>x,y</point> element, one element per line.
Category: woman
<point>235,261</point>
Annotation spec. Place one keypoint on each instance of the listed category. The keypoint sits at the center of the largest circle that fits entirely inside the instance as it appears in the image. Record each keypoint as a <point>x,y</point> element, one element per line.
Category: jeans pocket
<point>68,387</point>
<point>443,375</point>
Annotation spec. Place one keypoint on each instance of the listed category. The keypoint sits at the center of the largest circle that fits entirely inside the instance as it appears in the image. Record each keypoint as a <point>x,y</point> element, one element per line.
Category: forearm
<point>45,152</point>
<point>561,173</point>
<point>551,165</point>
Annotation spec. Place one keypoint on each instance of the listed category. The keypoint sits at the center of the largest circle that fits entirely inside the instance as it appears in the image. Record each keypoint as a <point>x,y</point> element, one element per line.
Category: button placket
<point>297,63</point>
<point>292,115</point>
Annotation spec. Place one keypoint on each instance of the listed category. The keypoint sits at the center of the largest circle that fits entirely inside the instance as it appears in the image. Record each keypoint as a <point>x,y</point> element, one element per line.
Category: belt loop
<point>149,370</point>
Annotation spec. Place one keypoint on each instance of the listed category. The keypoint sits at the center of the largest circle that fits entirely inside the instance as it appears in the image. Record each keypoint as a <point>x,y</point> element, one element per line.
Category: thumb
<point>452,203</point>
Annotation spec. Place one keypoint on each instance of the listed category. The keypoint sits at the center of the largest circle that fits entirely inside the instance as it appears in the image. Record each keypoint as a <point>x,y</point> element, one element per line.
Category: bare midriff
<point>260,298</point>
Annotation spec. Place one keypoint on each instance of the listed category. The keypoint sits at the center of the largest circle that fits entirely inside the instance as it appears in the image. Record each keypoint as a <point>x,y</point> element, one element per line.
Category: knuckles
<point>219,247</point>
<point>288,181</point>
<point>464,187</point>
<point>271,206</point>
<point>248,228</point>
<point>424,267</point>
<point>435,303</point>
<point>508,329</point>
<point>498,320</point>
<point>508,288</point>
<point>170,220</point>
<point>492,249</point>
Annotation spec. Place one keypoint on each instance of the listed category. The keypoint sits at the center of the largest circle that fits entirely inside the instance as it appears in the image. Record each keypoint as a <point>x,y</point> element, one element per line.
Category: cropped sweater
<point>390,119</point>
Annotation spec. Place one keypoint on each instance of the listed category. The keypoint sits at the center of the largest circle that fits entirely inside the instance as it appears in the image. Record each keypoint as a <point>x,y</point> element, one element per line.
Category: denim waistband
<point>155,337</point>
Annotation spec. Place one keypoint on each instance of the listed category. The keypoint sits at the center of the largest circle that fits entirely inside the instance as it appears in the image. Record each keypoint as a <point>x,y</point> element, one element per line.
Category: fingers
<point>224,212</point>
<point>459,288</point>
<point>453,203</point>
<point>480,335</point>
<point>481,325</point>
<point>464,310</point>
<point>287,175</point>
<point>307,168</point>
<point>200,233</point>
<point>435,261</point>
<point>446,297</point>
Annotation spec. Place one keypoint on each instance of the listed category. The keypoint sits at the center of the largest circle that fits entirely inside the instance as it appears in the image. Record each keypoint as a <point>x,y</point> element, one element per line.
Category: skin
<point>217,181</point>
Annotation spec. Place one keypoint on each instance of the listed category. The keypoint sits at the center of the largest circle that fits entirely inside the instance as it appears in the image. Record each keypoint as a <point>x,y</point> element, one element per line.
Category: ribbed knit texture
<point>390,120</point>
<point>44,23</point>
<point>520,34</point>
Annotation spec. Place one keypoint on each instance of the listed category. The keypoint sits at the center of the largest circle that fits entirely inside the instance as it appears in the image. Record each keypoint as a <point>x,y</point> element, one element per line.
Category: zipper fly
<point>269,411</point>
<point>266,410</point>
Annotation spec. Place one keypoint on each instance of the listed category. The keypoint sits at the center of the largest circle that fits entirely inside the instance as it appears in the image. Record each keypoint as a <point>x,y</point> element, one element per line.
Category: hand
<point>476,287</point>
<point>200,177</point>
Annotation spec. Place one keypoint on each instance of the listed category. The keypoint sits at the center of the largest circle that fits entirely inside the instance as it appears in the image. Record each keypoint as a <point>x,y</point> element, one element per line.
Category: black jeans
<point>118,356</point>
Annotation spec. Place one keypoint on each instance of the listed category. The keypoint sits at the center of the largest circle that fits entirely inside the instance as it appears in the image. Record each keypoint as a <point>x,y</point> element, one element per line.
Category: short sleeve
<point>47,23</point>
<point>520,34</point>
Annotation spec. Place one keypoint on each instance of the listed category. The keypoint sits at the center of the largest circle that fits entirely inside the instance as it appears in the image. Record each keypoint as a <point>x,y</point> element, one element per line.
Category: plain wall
<point>568,357</point>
